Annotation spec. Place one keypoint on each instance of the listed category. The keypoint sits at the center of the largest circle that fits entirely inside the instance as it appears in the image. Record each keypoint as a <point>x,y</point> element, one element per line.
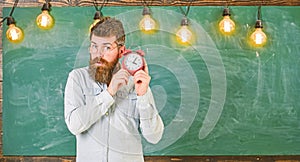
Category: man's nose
<point>100,54</point>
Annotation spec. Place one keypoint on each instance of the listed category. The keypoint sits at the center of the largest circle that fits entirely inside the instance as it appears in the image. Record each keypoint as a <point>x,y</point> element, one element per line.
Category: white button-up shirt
<point>108,128</point>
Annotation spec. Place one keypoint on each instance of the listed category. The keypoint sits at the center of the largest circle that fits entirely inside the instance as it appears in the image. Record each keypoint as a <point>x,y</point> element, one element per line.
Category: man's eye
<point>94,46</point>
<point>106,48</point>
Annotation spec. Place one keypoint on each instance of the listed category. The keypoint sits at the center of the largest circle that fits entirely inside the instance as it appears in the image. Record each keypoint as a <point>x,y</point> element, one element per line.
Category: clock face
<point>133,62</point>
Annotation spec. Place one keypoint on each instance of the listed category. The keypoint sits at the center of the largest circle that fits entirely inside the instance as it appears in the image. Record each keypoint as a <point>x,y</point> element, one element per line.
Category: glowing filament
<point>147,24</point>
<point>258,37</point>
<point>14,34</point>
<point>226,25</point>
<point>184,35</point>
<point>45,20</point>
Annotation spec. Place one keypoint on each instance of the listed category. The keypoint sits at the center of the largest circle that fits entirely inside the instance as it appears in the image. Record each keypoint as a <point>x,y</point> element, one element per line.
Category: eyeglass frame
<point>102,51</point>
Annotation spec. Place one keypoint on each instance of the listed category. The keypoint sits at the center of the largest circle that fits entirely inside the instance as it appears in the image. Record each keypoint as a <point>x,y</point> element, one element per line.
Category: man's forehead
<point>103,40</point>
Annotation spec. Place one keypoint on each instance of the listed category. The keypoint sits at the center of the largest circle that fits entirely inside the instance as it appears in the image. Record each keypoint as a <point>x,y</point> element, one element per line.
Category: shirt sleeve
<point>151,123</point>
<point>79,114</point>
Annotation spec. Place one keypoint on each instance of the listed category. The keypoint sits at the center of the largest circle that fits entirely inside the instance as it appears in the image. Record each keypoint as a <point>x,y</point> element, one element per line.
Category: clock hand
<point>134,61</point>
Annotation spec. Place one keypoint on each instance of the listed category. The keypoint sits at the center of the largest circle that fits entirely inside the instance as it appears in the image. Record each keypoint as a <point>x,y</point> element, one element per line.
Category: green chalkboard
<point>218,96</point>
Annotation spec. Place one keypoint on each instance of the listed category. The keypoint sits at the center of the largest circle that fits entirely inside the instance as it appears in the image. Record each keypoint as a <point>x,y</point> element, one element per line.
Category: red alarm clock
<point>133,61</point>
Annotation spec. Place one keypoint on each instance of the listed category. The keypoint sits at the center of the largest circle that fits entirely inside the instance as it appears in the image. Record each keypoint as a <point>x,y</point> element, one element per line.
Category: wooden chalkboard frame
<point>219,157</point>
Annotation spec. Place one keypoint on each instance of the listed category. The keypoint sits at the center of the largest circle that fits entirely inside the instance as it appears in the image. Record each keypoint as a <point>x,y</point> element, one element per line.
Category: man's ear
<point>122,50</point>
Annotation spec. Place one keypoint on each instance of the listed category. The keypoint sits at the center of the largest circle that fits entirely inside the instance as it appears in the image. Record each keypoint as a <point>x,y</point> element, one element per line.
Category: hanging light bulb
<point>147,24</point>
<point>97,17</point>
<point>226,25</point>
<point>184,35</point>
<point>13,33</point>
<point>258,37</point>
<point>45,20</point>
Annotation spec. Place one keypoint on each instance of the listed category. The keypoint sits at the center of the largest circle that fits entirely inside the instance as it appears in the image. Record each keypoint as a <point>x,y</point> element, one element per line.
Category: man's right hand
<point>118,80</point>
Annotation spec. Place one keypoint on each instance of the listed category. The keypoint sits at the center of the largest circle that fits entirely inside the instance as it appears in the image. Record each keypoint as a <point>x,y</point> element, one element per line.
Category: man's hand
<point>118,80</point>
<point>141,81</point>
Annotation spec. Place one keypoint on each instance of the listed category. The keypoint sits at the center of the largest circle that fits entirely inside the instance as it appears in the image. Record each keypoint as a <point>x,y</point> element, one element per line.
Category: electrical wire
<point>11,11</point>
<point>3,20</point>
<point>96,5</point>
<point>259,13</point>
<point>185,13</point>
<point>15,5</point>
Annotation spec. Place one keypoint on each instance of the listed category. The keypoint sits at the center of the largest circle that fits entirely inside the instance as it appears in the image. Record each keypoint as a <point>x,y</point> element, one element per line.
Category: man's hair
<point>108,27</point>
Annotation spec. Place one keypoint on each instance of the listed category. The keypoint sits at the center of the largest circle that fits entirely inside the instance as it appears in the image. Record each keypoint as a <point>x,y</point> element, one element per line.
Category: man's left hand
<point>141,81</point>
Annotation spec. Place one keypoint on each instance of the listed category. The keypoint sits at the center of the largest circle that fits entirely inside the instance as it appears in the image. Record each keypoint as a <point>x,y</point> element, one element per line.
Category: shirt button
<point>106,113</point>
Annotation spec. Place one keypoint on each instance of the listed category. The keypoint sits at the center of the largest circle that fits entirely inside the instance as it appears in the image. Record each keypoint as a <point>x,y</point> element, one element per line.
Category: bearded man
<point>106,108</point>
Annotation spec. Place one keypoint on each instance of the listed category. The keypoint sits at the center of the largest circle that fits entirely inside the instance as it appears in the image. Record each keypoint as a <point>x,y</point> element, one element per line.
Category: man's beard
<point>103,73</point>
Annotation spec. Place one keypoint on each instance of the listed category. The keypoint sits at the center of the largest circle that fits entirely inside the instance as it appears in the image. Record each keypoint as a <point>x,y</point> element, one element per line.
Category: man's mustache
<point>98,60</point>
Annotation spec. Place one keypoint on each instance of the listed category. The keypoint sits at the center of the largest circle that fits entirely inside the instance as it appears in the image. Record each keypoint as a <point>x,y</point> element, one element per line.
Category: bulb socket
<point>46,7</point>
<point>10,20</point>
<point>258,24</point>
<point>226,12</point>
<point>184,22</point>
<point>146,11</point>
<point>98,15</point>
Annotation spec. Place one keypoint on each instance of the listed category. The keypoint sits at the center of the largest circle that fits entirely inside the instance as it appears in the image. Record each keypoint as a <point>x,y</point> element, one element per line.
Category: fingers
<point>121,79</point>
<point>122,75</point>
<point>141,81</point>
<point>118,80</point>
<point>141,75</point>
<point>146,67</point>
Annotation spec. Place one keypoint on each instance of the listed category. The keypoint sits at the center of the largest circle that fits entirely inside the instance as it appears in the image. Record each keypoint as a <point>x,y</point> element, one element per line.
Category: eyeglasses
<point>105,48</point>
